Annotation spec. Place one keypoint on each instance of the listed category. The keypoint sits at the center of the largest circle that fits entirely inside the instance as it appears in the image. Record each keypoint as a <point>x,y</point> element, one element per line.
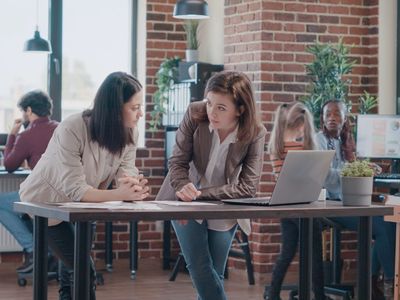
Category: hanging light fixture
<point>191,9</point>
<point>37,43</point>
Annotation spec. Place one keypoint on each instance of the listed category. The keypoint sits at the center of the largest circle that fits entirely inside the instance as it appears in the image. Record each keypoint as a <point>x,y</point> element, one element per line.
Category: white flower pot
<point>192,55</point>
<point>357,191</point>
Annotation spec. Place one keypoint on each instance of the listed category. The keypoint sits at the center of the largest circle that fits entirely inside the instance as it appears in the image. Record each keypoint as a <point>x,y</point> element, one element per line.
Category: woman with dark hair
<point>86,153</point>
<point>336,135</point>
<point>218,154</point>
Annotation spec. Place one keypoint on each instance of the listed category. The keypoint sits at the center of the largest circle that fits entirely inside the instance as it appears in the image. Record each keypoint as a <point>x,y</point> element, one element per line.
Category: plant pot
<point>357,191</point>
<point>192,55</point>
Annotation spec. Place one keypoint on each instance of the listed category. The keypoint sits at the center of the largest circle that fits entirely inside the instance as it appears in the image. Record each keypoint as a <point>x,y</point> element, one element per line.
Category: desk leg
<point>82,260</point>
<point>133,237</point>
<point>305,263</point>
<point>397,264</point>
<point>167,245</point>
<point>40,258</point>
<point>109,246</point>
<point>364,258</point>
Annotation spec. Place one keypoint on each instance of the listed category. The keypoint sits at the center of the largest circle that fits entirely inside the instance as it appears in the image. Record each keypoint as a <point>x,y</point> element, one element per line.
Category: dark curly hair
<point>347,145</point>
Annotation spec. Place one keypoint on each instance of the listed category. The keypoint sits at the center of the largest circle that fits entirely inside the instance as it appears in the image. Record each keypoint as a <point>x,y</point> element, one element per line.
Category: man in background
<point>36,107</point>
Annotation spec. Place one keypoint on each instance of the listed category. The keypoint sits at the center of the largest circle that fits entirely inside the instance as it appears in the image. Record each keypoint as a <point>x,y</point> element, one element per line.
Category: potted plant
<point>357,183</point>
<point>166,77</point>
<point>332,62</point>
<point>192,43</point>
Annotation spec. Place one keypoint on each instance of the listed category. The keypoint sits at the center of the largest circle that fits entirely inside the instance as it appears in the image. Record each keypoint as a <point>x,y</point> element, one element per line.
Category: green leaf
<point>166,77</point>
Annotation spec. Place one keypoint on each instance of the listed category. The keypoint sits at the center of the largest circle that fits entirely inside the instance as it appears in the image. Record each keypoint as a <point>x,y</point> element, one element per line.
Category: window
<point>20,71</point>
<point>97,40</point>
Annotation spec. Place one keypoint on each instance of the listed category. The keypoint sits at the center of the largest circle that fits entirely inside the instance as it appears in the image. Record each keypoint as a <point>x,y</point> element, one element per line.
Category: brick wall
<point>267,40</point>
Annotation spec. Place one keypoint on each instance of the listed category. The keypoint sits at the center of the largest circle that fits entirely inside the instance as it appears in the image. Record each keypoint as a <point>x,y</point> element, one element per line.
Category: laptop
<point>300,181</point>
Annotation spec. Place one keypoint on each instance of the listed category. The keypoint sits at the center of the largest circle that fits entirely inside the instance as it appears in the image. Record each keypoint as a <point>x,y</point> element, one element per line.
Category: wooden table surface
<point>221,211</point>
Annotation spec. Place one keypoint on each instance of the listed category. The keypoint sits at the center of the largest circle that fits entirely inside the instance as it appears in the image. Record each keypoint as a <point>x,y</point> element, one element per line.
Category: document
<point>392,200</point>
<point>113,205</point>
<point>183,203</point>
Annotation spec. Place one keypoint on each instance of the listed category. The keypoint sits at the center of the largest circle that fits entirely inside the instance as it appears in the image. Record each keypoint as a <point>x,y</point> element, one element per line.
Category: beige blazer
<point>189,160</point>
<point>72,164</point>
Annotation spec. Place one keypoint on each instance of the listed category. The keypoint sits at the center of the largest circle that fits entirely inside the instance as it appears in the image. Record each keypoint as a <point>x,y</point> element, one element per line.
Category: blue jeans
<point>12,221</point>
<point>384,234</point>
<point>206,253</point>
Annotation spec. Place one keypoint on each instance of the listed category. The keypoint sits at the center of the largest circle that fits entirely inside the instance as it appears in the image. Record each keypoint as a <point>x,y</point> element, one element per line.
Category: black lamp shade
<point>37,44</point>
<point>191,9</point>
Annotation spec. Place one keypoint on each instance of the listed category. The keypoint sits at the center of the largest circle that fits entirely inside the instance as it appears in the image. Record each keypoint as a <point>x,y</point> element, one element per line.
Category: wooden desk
<point>396,218</point>
<point>306,212</point>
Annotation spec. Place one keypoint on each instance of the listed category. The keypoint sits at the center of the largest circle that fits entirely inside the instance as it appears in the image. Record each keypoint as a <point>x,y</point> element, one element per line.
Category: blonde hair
<point>291,116</point>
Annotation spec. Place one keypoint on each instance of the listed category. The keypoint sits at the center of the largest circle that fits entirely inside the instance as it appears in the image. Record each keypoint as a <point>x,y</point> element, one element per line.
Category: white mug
<point>322,195</point>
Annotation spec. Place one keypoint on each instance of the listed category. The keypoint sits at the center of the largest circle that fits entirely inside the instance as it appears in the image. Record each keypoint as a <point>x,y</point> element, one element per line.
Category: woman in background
<point>336,135</point>
<point>293,130</point>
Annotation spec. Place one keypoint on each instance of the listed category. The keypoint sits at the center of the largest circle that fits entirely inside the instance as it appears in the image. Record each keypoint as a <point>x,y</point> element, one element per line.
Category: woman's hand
<point>136,180</point>
<point>377,169</point>
<point>188,193</point>
<point>131,189</point>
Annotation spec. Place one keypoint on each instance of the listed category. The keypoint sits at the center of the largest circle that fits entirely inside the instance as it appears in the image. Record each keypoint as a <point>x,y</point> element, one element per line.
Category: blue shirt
<point>333,181</point>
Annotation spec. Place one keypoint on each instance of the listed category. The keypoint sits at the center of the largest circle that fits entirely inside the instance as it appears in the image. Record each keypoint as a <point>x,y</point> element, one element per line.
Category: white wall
<point>211,34</point>
<point>387,56</point>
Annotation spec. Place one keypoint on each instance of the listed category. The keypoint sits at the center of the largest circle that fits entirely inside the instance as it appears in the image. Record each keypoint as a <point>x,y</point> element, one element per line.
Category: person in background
<point>86,153</point>
<point>336,135</point>
<point>293,130</point>
<point>218,154</point>
<point>29,145</point>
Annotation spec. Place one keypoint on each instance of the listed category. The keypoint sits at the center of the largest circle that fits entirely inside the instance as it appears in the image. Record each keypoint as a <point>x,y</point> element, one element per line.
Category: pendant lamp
<point>37,43</point>
<point>191,9</point>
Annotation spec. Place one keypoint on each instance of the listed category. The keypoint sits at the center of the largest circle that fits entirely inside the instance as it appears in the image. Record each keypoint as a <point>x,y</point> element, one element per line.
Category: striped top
<point>278,163</point>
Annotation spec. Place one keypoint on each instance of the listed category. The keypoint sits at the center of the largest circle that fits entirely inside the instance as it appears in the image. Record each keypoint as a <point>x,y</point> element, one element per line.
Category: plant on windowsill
<point>357,183</point>
<point>332,62</point>
<point>166,77</point>
<point>192,42</point>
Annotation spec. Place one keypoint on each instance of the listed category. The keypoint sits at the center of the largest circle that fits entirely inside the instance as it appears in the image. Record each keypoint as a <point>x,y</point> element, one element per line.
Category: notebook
<point>300,181</point>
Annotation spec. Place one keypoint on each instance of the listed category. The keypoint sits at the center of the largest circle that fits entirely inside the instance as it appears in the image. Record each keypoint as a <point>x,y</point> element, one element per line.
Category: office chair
<point>52,274</point>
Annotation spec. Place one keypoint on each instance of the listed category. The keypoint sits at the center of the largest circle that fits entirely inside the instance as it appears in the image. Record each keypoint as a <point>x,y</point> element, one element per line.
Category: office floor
<point>151,284</point>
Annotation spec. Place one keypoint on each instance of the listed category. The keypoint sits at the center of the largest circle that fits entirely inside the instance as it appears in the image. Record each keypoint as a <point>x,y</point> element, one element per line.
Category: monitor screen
<point>378,136</point>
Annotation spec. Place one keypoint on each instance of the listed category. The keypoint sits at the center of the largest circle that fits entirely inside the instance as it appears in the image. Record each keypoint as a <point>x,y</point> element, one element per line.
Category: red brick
<point>316,28</point>
<point>316,8</point>
<point>307,18</point>
<point>284,17</point>
<point>350,20</point>
<point>295,7</point>
<point>329,19</point>
<point>339,10</point>
<point>338,29</point>
<point>294,27</point>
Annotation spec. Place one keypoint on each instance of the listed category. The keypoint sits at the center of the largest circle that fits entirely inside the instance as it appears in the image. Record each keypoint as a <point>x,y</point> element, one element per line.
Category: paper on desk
<point>114,205</point>
<point>183,203</point>
<point>392,200</point>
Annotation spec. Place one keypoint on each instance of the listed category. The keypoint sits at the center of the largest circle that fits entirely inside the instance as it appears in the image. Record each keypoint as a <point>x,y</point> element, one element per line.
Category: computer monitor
<point>378,136</point>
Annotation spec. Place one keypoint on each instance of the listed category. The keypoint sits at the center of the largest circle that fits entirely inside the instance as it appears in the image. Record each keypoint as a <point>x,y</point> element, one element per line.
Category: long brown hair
<point>237,85</point>
<point>347,145</point>
<point>291,117</point>
<point>106,121</point>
